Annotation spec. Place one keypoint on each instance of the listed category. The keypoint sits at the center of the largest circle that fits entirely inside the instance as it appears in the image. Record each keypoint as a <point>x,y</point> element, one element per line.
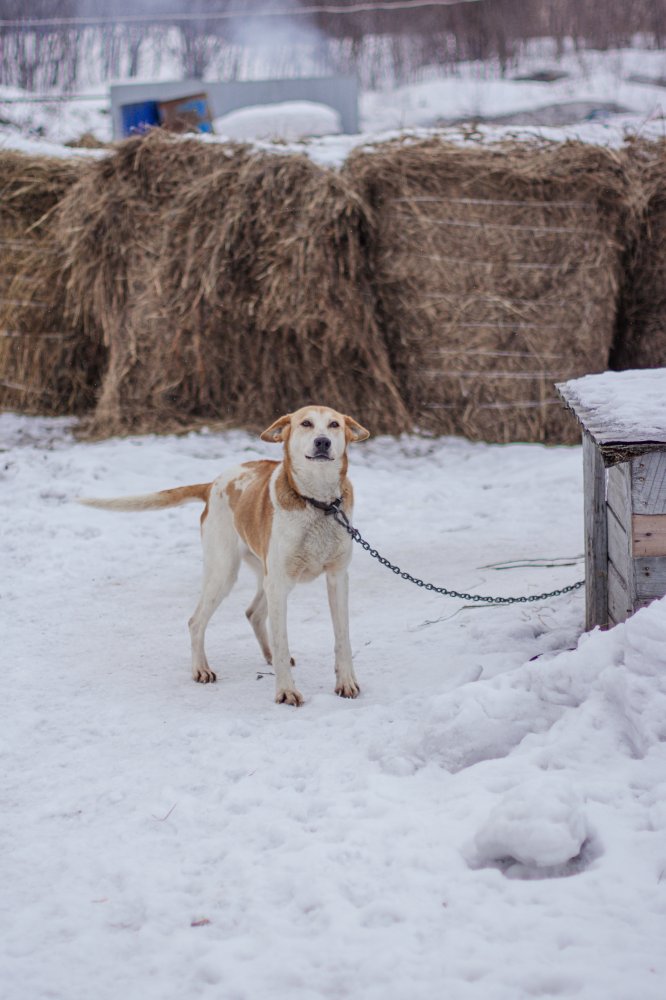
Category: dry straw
<point>47,365</point>
<point>228,286</point>
<point>114,227</point>
<point>496,270</point>
<point>441,285</point>
<point>643,302</point>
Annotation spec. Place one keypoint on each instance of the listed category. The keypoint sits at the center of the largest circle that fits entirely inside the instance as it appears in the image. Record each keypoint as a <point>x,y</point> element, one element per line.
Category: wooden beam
<point>648,483</point>
<point>620,605</point>
<point>649,534</point>
<point>596,535</point>
<point>650,578</point>
<point>618,492</point>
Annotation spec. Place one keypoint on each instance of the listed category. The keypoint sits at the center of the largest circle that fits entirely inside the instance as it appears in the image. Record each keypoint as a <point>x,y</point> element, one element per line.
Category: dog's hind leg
<point>257,613</point>
<point>221,562</point>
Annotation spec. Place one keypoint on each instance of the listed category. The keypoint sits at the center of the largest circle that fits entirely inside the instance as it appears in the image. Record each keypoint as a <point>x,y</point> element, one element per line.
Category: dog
<point>273,515</point>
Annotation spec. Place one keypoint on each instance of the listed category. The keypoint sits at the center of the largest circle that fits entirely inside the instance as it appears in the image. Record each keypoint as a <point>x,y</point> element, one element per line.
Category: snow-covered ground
<point>600,98</point>
<point>487,821</point>
<point>475,92</point>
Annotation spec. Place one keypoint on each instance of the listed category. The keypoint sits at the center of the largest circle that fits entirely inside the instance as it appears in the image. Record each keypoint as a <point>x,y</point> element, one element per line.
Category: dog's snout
<point>322,443</point>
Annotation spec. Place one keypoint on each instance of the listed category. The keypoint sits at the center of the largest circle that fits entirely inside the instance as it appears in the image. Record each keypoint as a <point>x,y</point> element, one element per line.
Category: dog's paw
<point>204,675</point>
<point>348,688</point>
<point>288,697</point>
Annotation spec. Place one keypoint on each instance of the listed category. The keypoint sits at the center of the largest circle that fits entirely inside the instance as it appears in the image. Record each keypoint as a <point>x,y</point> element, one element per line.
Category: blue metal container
<point>138,118</point>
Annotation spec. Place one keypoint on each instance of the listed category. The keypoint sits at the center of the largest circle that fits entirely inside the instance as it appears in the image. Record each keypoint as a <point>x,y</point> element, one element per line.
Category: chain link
<point>341,518</point>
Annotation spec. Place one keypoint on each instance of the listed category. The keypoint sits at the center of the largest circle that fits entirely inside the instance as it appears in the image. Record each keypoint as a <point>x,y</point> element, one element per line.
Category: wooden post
<point>596,535</point>
<point>621,574</point>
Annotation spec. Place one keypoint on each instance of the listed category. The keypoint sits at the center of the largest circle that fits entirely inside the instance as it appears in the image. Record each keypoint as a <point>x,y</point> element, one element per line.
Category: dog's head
<point>315,434</point>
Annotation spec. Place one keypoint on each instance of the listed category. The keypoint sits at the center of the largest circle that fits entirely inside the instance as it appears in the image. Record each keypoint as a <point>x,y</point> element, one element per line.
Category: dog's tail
<point>153,501</point>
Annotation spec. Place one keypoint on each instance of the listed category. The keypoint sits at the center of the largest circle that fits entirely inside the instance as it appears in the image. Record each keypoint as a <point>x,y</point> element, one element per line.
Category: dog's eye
<point>306,423</point>
<point>334,423</point>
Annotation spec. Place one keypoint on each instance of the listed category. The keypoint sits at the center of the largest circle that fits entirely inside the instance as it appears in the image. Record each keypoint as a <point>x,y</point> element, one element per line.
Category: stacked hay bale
<point>497,268</point>
<point>641,340</point>
<point>229,285</point>
<point>47,365</point>
<point>447,286</point>
<point>114,227</point>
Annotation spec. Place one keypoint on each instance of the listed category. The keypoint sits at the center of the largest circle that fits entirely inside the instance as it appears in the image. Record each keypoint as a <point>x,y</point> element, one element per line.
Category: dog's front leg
<point>277,592</point>
<point>337,585</point>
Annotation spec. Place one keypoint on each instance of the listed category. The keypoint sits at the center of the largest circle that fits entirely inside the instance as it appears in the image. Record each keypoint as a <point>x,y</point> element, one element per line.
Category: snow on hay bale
<point>47,365</point>
<point>497,268</point>
<point>229,285</point>
<point>643,303</point>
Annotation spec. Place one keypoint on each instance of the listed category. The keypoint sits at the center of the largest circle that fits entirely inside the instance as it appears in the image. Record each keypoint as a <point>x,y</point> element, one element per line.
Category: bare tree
<point>371,43</point>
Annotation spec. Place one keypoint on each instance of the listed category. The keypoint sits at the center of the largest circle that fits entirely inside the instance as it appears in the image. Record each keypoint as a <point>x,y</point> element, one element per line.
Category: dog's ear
<point>278,430</point>
<point>354,431</point>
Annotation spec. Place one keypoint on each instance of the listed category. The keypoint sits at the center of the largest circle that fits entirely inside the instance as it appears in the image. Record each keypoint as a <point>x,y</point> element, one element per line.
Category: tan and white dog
<point>262,512</point>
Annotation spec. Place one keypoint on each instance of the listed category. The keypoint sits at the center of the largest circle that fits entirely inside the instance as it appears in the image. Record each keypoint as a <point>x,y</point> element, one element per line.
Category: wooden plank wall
<point>596,544</point>
<point>648,525</point>
<point>648,483</point>
<point>636,533</point>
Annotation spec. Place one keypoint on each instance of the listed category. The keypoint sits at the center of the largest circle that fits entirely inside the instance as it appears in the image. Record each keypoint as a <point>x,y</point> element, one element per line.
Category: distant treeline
<point>376,44</point>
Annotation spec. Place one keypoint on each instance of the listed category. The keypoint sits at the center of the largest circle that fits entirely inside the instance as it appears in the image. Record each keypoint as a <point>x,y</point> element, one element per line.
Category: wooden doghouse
<point>623,418</point>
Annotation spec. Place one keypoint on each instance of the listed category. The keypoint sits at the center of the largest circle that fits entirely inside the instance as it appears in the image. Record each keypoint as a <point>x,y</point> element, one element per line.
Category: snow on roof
<point>288,120</point>
<point>620,408</point>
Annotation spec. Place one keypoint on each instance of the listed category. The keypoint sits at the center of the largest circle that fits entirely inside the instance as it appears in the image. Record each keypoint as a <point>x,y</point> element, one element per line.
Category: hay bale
<point>230,285</point>
<point>277,276</point>
<point>496,270</point>
<point>641,341</point>
<point>114,227</point>
<point>47,365</point>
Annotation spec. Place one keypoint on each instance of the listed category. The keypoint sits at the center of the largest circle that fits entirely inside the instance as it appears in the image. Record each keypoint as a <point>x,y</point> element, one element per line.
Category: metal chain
<point>341,518</point>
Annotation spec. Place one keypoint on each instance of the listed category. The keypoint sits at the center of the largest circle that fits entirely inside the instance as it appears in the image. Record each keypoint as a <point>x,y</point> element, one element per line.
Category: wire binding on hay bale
<point>496,270</point>
<point>641,341</point>
<point>277,277</point>
<point>47,365</point>
<point>229,285</point>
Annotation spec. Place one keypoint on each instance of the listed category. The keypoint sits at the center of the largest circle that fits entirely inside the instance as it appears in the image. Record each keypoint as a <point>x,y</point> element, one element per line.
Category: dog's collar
<point>328,508</point>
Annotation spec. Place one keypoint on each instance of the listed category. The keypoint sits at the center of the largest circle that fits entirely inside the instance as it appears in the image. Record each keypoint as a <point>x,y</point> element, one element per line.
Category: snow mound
<point>290,120</point>
<point>612,687</point>
<point>482,721</point>
<point>486,719</point>
<point>539,824</point>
